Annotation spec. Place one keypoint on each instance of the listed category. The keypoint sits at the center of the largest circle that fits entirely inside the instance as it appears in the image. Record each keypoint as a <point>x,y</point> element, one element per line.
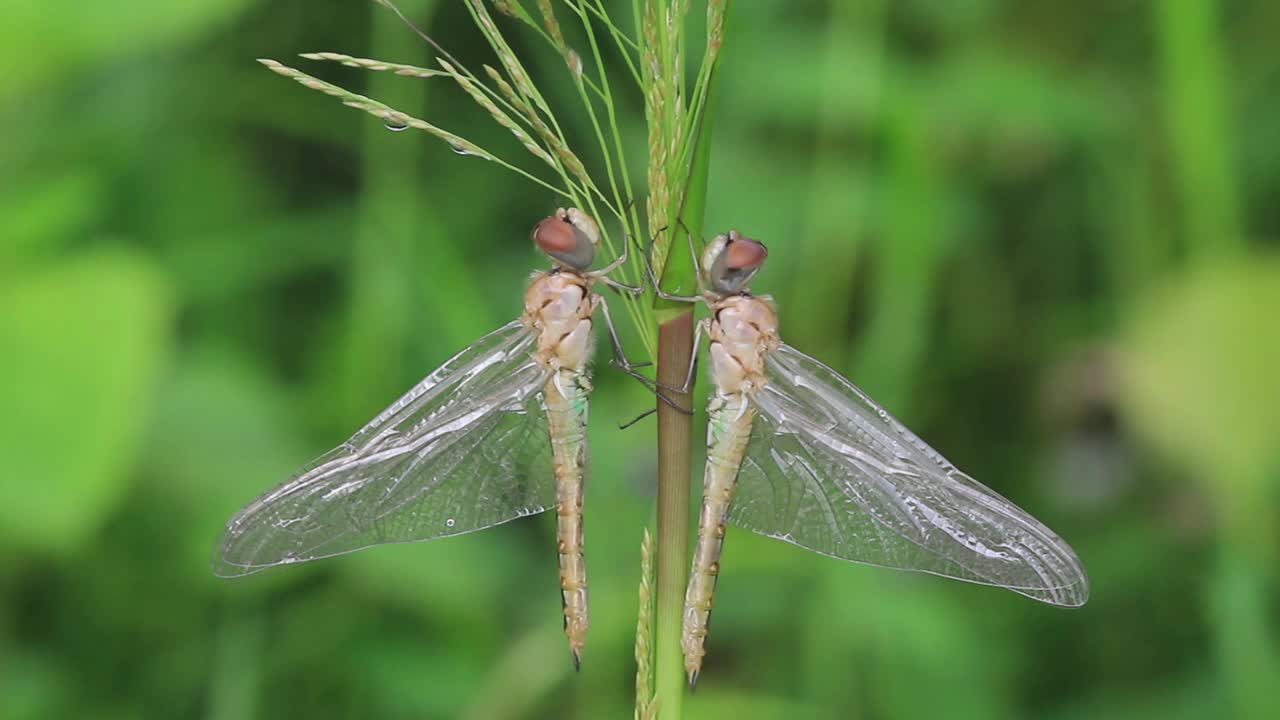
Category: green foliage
<point>86,341</point>
<point>1042,233</point>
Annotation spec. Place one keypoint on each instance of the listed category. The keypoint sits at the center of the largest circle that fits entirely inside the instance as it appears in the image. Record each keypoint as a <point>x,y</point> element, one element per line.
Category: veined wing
<point>828,469</point>
<point>466,449</point>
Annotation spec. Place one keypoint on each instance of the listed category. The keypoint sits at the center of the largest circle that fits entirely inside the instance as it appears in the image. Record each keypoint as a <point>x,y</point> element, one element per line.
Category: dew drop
<point>450,522</point>
<point>469,152</point>
<point>396,125</point>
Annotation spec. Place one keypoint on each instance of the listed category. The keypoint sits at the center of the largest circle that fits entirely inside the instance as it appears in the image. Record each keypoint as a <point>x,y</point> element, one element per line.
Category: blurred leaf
<point>734,704</point>
<point>33,686</point>
<point>84,340</point>
<point>221,436</point>
<point>45,211</point>
<point>1194,697</point>
<point>533,663</point>
<point>1246,639</point>
<point>1201,377</point>
<point>235,681</point>
<point>41,38</point>
<point>783,81</point>
<point>299,242</point>
<point>1002,96</point>
<point>1196,77</point>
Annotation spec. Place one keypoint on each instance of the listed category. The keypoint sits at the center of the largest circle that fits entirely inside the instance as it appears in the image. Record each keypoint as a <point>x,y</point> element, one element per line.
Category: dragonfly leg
<point>620,361</point>
<point>692,373</point>
<point>617,262</point>
<point>626,251</point>
<point>623,287</point>
<point>693,253</point>
<point>653,278</point>
<point>638,418</point>
<point>698,329</point>
<point>603,273</point>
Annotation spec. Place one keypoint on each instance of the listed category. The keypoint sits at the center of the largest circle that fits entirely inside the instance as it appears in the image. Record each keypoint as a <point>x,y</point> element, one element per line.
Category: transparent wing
<point>828,469</point>
<point>466,449</point>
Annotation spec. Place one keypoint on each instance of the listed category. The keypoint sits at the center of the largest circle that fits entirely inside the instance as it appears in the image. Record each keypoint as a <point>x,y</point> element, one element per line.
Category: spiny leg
<point>693,252</point>
<point>620,361</point>
<point>698,329</point>
<point>623,287</point>
<point>603,273</point>
<point>638,418</point>
<point>617,262</point>
<point>653,278</point>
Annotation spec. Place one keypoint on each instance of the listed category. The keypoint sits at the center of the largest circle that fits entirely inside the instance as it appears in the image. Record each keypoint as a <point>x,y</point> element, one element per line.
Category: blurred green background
<point>1042,233</point>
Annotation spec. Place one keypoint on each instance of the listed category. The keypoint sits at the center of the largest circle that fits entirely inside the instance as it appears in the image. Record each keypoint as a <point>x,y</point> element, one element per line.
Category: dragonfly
<point>799,453</point>
<point>496,433</point>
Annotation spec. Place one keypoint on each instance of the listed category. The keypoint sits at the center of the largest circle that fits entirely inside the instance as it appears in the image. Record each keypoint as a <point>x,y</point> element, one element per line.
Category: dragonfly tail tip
<point>693,680</point>
<point>577,660</point>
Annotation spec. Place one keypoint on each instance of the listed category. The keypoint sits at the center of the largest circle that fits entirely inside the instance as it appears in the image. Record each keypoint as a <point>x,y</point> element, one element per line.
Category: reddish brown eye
<point>554,235</point>
<point>745,254</point>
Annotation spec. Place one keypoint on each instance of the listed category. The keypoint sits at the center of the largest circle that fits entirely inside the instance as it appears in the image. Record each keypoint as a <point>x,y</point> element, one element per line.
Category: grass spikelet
<point>715,30</point>
<point>515,70</point>
<point>655,110</point>
<point>552,24</point>
<point>368,64</point>
<point>501,117</point>
<point>397,119</point>
<point>646,707</point>
<point>557,145</point>
<point>510,9</point>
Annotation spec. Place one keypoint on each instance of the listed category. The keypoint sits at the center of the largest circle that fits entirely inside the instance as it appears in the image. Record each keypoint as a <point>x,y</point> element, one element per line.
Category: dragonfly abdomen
<point>566,404</point>
<point>729,430</point>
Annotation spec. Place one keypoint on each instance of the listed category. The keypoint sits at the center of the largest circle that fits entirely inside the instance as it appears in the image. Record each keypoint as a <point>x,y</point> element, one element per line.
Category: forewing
<point>465,449</point>
<point>830,470</point>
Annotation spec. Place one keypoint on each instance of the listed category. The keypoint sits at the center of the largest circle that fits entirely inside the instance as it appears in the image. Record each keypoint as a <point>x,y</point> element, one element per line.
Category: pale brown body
<point>558,306</point>
<point>742,331</point>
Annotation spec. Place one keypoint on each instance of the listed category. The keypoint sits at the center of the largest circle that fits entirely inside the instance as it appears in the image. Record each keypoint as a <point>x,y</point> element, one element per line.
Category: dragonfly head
<point>570,237</point>
<point>730,260</point>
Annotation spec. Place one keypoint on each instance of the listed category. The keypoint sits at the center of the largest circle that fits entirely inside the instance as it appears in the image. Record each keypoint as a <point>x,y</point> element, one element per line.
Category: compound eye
<point>554,235</point>
<point>562,239</point>
<point>738,259</point>
<point>743,253</point>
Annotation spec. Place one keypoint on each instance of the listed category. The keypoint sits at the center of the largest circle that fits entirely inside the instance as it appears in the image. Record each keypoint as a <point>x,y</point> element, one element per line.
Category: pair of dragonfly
<point>795,452</point>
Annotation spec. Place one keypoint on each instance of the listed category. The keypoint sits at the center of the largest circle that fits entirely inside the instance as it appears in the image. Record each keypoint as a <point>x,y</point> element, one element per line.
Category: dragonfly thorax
<point>558,307</point>
<point>743,330</point>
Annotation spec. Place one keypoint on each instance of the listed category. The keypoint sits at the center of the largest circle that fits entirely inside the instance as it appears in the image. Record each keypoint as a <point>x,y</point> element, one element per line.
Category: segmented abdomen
<point>566,400</point>
<point>728,430</point>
